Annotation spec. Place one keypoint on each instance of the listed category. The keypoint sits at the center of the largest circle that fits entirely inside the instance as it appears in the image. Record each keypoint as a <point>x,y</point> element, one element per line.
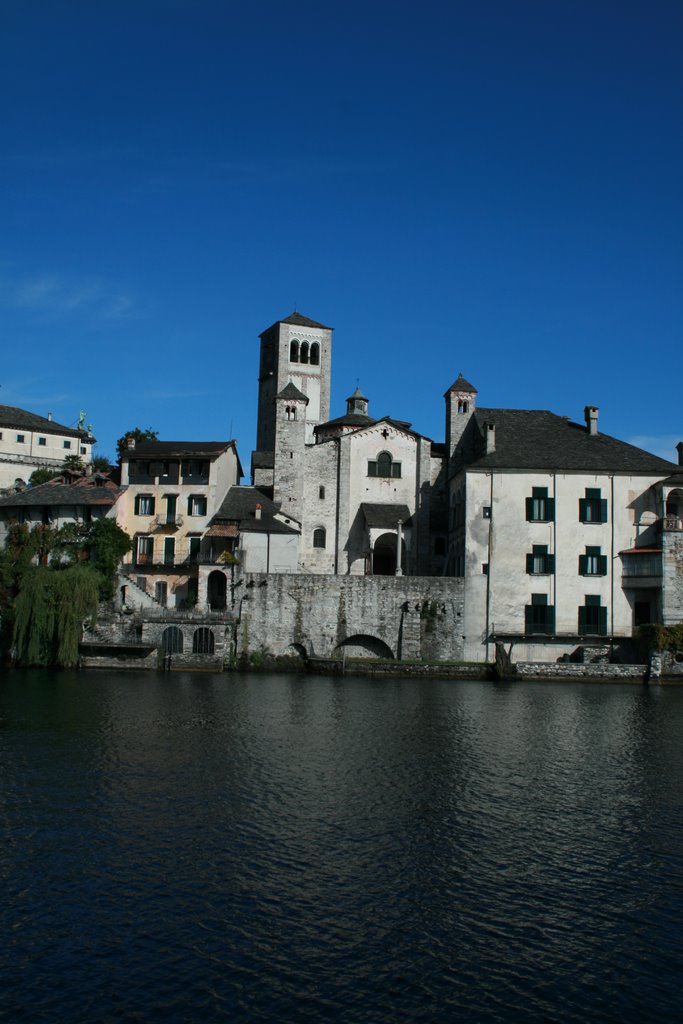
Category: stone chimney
<point>591,415</point>
<point>679,449</point>
<point>257,511</point>
<point>130,443</point>
<point>490,435</point>
<point>49,416</point>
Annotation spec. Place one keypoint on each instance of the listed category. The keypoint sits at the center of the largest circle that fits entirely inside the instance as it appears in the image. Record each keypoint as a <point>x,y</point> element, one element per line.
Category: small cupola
<point>357,404</point>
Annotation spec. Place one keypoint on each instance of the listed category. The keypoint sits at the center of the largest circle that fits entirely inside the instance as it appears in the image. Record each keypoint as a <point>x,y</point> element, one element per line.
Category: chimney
<point>257,512</point>
<point>679,449</point>
<point>88,469</point>
<point>591,415</point>
<point>130,443</point>
<point>490,429</point>
<point>49,416</point>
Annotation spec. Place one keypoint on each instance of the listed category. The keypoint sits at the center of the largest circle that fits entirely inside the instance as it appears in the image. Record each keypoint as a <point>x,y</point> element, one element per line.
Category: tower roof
<point>291,392</point>
<point>297,319</point>
<point>357,394</point>
<point>463,385</point>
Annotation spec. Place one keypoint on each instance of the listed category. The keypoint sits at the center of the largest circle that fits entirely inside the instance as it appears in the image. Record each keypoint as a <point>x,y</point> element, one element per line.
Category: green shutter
<point>528,619</point>
<point>550,619</point>
<point>529,564</point>
<point>137,504</point>
<point>582,619</point>
<point>529,509</point>
<point>583,564</point>
<point>603,510</point>
<point>582,510</point>
<point>602,622</point>
<point>551,563</point>
<point>602,565</point>
<point>550,507</point>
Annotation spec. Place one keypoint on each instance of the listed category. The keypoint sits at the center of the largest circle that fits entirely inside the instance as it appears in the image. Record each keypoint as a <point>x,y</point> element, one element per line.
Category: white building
<point>29,442</point>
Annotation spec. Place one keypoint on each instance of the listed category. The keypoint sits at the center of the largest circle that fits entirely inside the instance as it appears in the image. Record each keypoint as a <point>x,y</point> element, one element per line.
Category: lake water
<point>196,847</point>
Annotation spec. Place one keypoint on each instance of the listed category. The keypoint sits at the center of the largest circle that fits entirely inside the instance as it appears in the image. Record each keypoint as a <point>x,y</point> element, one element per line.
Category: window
<point>169,550</point>
<point>593,563</point>
<point>172,640</point>
<point>539,507</point>
<point>539,616</point>
<point>144,505</point>
<point>294,351</point>
<point>203,641</point>
<point>161,593</point>
<point>42,441</point>
<point>319,538</point>
<point>144,551</point>
<point>384,466</point>
<point>592,617</point>
<point>315,354</point>
<point>486,511</point>
<point>321,492</point>
<point>303,352</point>
<point>593,508</point>
<point>196,505</point>
<point>290,412</point>
<point>485,568</point>
<point>539,562</point>
<point>463,406</point>
<point>83,450</point>
<point>194,548</point>
<point>21,438</point>
<point>67,444</point>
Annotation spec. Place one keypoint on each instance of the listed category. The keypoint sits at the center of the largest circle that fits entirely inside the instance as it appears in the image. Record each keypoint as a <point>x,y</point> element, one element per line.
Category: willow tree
<point>50,610</point>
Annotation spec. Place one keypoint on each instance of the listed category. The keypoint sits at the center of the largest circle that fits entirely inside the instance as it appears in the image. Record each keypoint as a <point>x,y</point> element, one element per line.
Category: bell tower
<point>295,350</point>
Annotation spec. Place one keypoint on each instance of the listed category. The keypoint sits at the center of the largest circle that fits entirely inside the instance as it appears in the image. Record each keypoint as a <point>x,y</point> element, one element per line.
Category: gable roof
<point>537,439</point>
<point>462,385</point>
<point>239,506</point>
<point>11,416</point>
<point>58,493</point>
<point>164,449</point>
<point>297,319</point>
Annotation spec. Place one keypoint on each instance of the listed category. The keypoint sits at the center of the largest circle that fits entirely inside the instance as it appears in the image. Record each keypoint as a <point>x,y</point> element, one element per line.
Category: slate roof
<point>290,391</point>
<point>297,320</point>
<point>239,506</point>
<point>357,394</point>
<point>537,439</point>
<point>10,416</point>
<point>462,385</point>
<point>164,449</point>
<point>385,516</point>
<point>349,419</point>
<point>61,494</point>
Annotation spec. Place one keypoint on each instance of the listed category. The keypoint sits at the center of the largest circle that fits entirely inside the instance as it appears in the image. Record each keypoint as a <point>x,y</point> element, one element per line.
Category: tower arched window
<point>319,537</point>
<point>294,351</point>
<point>463,406</point>
<point>303,352</point>
<point>315,354</point>
<point>290,412</point>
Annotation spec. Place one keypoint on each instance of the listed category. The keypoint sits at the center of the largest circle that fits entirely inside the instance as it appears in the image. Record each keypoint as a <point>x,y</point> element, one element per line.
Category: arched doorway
<point>217,591</point>
<point>172,640</point>
<point>384,555</point>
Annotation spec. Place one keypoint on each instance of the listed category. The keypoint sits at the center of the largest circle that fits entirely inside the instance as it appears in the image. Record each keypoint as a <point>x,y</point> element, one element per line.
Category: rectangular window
<point>21,438</point>
<point>592,617</point>
<point>169,550</point>
<point>593,563</point>
<point>539,616</point>
<point>539,562</point>
<point>485,568</point>
<point>321,491</point>
<point>486,512</point>
<point>144,505</point>
<point>161,593</point>
<point>144,550</point>
<point>83,450</point>
<point>196,505</point>
<point>193,550</point>
<point>42,441</point>
<point>539,507</point>
<point>67,444</point>
<point>593,508</point>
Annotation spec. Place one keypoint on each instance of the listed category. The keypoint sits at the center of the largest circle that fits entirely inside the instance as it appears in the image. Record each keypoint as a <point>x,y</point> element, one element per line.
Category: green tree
<point>49,612</point>
<point>41,476</point>
<point>139,435</point>
<point>73,463</point>
<point>108,544</point>
<point>101,464</point>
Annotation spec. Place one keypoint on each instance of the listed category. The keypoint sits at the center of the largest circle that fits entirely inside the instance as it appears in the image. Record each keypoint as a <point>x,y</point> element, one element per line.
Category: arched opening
<point>384,555</point>
<point>674,503</point>
<point>294,351</point>
<point>300,650</point>
<point>172,640</point>
<point>290,412</point>
<point>203,641</point>
<point>362,645</point>
<point>303,352</point>
<point>217,591</point>
<point>315,354</point>
<point>319,537</point>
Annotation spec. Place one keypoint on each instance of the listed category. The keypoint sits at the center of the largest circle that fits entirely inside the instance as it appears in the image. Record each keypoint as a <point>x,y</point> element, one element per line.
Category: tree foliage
<point>49,613</point>
<point>41,476</point>
<point>139,435</point>
<point>655,637</point>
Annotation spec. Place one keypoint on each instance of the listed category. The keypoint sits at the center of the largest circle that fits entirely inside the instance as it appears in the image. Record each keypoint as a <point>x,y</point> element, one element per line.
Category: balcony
<point>670,524</point>
<point>641,568</point>
<point>168,520</point>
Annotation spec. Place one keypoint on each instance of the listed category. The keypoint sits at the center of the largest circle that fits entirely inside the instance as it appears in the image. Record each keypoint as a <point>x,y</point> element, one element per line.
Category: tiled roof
<point>239,506</point>
<point>10,416</point>
<point>61,494</point>
<point>164,449</point>
<point>291,392</point>
<point>385,516</point>
<point>297,319</point>
<point>537,439</point>
<point>462,385</point>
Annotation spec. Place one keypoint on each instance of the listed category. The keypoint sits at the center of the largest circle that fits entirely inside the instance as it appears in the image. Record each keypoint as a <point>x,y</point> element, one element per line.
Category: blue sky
<point>492,188</point>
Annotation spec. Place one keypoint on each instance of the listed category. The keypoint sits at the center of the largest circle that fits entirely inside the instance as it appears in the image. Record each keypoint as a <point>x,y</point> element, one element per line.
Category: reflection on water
<point>271,848</point>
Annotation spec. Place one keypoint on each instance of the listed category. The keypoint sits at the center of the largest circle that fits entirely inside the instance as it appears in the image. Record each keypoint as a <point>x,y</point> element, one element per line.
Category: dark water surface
<point>271,848</point>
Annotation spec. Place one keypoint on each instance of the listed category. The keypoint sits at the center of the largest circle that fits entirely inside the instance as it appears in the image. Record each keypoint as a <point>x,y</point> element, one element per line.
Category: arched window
<point>172,640</point>
<point>384,466</point>
<point>290,412</point>
<point>319,538</point>
<point>303,352</point>
<point>315,354</point>
<point>294,351</point>
<point>203,641</point>
<point>462,406</point>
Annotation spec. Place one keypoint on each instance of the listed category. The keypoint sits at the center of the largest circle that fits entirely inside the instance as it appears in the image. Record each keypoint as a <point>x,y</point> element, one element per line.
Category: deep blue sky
<point>489,187</point>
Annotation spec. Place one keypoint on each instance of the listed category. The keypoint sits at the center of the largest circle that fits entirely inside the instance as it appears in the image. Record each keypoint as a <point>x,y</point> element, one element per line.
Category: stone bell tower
<point>295,350</point>
<point>461,400</point>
